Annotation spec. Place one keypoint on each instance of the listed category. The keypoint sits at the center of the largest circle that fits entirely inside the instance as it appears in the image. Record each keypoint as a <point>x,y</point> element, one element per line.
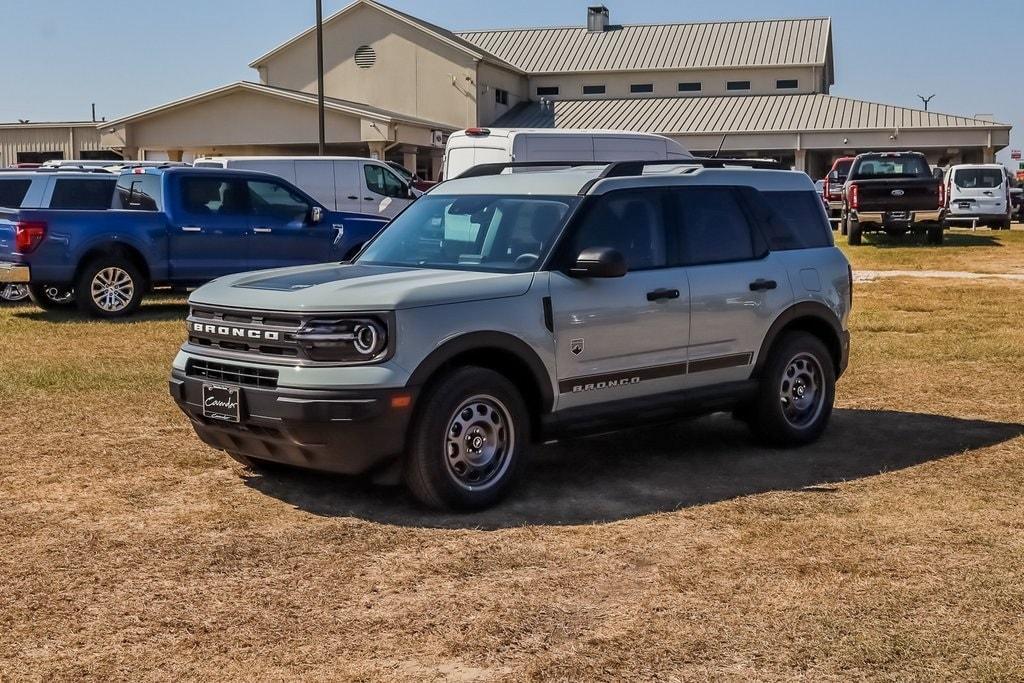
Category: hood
<point>355,287</point>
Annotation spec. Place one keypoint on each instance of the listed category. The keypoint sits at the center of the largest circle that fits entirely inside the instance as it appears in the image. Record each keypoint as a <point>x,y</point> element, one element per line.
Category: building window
<point>547,90</point>
<point>365,56</point>
<point>738,85</point>
<point>593,90</point>
<point>500,96</point>
<point>641,87</point>
<point>787,84</point>
<point>693,86</point>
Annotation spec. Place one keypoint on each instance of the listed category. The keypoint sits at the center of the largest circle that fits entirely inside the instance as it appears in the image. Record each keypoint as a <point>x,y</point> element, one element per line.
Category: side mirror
<point>599,262</point>
<point>316,215</point>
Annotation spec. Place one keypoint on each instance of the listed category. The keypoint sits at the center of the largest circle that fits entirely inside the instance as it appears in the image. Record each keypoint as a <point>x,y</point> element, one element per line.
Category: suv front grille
<point>267,335</point>
<point>232,374</point>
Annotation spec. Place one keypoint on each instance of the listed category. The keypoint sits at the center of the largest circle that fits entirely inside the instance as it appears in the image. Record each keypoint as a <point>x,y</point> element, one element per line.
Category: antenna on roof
<point>720,146</point>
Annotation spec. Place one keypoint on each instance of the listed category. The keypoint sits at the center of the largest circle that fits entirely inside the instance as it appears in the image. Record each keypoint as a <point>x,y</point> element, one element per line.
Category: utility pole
<point>320,73</point>
<point>926,100</point>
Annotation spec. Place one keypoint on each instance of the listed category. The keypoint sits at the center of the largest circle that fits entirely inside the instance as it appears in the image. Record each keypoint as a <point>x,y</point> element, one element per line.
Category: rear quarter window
<point>791,219</point>
<point>138,192</point>
<point>82,193</point>
<point>13,191</point>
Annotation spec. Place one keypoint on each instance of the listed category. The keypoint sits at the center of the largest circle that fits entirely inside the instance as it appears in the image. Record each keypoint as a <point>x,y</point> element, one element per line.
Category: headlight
<point>343,340</point>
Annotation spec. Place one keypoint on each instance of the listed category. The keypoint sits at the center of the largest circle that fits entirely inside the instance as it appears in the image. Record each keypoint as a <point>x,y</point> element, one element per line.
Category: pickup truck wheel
<point>935,234</point>
<point>797,392</point>
<point>109,287</point>
<point>468,442</point>
<point>51,297</point>
<point>1006,224</point>
<point>853,234</point>
<point>13,293</point>
<point>844,225</point>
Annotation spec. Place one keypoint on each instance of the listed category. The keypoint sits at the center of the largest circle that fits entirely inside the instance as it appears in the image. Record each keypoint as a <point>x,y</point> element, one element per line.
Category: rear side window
<point>978,178</point>
<point>215,196</point>
<point>791,219</point>
<point>138,192</point>
<point>714,226</point>
<point>82,193</point>
<point>13,191</point>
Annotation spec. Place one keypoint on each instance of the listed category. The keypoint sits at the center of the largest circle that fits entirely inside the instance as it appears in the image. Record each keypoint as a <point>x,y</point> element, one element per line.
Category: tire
<point>468,442</point>
<point>109,287</point>
<point>936,234</point>
<point>52,297</point>
<point>1006,224</point>
<point>13,293</point>
<point>844,225</point>
<point>797,391</point>
<point>854,233</point>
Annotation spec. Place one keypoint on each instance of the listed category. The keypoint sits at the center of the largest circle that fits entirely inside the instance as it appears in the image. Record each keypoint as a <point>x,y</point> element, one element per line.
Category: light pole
<point>320,73</point>
<point>926,100</point>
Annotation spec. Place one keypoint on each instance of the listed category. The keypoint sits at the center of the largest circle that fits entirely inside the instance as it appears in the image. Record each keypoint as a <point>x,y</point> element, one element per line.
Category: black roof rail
<point>618,169</point>
<point>496,168</point>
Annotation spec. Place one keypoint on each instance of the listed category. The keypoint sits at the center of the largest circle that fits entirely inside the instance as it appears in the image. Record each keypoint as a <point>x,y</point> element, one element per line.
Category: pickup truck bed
<point>893,193</point>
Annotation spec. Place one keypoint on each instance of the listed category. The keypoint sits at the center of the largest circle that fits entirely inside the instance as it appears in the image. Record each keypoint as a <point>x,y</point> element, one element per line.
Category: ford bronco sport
<point>505,308</point>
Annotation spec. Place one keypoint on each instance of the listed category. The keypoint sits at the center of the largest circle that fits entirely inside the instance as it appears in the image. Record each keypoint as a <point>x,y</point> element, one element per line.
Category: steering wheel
<point>526,259</point>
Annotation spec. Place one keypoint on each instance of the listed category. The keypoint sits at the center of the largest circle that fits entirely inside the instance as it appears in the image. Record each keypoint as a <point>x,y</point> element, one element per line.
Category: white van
<point>978,194</point>
<point>353,184</point>
<point>473,146</point>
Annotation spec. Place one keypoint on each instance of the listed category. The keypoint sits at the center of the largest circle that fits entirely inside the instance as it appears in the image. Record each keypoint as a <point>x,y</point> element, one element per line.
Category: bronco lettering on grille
<point>235,332</point>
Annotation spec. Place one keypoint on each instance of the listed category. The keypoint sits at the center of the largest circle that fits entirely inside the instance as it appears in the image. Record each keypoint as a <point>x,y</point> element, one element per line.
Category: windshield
<point>842,168</point>
<point>493,233</point>
<point>978,178</point>
<point>911,166</point>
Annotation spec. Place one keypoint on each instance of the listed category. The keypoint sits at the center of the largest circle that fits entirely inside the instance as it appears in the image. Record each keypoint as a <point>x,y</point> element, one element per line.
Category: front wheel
<point>109,287</point>
<point>935,234</point>
<point>854,233</point>
<point>844,225</point>
<point>468,442</point>
<point>797,391</point>
<point>51,297</point>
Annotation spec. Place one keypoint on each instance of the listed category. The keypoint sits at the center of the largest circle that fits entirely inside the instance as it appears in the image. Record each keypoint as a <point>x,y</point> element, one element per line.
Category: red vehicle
<point>834,181</point>
<point>417,182</point>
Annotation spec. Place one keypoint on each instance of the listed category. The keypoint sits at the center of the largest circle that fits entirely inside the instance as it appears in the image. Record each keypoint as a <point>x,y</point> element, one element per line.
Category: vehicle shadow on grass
<point>658,469</point>
<point>159,311</point>
<point>952,239</point>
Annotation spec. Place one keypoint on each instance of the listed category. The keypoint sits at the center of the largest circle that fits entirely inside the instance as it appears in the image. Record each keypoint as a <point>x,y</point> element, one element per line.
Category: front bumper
<point>345,431</point>
<point>14,273</point>
<point>886,217</point>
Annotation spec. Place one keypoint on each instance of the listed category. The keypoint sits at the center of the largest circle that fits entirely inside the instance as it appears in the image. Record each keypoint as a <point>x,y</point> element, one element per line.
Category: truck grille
<point>232,374</point>
<point>266,335</point>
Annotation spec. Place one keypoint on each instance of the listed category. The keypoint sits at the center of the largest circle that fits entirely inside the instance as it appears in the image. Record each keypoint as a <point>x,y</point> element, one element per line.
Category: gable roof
<point>731,114</point>
<point>330,104</point>
<point>730,44</point>
<point>442,34</point>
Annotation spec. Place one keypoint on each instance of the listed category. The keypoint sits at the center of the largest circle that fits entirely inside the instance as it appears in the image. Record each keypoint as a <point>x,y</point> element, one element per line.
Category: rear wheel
<point>52,297</point>
<point>469,440</point>
<point>935,234</point>
<point>797,391</point>
<point>844,225</point>
<point>13,293</point>
<point>1005,225</point>
<point>853,235</point>
<point>109,287</point>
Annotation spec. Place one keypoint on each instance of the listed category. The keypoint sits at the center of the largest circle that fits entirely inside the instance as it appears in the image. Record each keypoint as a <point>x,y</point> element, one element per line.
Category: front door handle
<point>353,197</point>
<point>761,285</point>
<point>191,228</point>
<point>262,230</point>
<point>660,294</point>
<point>369,199</point>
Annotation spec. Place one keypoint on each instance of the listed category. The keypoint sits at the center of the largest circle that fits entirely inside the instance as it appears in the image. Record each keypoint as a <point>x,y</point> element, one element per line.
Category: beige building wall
<point>666,83</point>
<point>491,78</point>
<point>70,140</point>
<point>414,73</point>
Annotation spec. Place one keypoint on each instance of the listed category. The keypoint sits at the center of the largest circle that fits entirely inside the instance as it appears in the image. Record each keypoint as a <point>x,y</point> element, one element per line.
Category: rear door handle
<point>659,294</point>
<point>262,230</point>
<point>369,199</point>
<point>352,196</point>
<point>761,285</point>
<point>191,228</point>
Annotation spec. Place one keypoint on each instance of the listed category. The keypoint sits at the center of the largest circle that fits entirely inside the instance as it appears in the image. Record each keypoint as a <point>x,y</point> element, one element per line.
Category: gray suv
<point>504,308</point>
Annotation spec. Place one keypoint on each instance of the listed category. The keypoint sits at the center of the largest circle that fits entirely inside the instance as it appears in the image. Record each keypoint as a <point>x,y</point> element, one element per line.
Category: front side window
<point>490,233</point>
<point>79,193</point>
<point>978,178</point>
<point>629,221</point>
<point>277,201</point>
<point>384,182</point>
<point>13,191</point>
<point>714,226</point>
<point>215,196</point>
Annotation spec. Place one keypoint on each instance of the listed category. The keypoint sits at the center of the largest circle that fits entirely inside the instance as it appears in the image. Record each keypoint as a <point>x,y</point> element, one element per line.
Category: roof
<point>442,34</point>
<point>733,44</point>
<point>731,114</point>
<point>49,124</point>
<point>330,103</point>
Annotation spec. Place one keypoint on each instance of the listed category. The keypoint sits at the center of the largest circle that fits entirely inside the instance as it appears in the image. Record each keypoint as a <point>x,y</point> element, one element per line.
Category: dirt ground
<point>891,550</point>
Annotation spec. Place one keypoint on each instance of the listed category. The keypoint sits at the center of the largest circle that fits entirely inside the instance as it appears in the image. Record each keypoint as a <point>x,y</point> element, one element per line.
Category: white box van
<point>978,194</point>
<point>353,184</point>
<point>473,146</point>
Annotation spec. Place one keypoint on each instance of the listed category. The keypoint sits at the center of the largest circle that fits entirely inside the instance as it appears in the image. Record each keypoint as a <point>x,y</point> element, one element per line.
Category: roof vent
<point>597,18</point>
<point>365,57</point>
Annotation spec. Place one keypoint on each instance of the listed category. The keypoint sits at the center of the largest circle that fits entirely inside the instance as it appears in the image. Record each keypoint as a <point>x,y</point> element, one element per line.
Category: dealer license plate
<point>221,402</point>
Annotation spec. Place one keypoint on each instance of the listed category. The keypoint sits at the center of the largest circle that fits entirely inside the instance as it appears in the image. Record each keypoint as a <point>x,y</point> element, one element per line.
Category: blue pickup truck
<point>177,227</point>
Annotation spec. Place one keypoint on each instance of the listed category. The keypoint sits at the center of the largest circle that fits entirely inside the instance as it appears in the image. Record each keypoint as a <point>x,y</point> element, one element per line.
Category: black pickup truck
<point>893,192</point>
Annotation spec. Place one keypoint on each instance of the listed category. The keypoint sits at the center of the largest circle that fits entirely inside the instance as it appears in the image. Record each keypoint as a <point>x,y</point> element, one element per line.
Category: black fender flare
<point>482,342</point>
<point>814,311</point>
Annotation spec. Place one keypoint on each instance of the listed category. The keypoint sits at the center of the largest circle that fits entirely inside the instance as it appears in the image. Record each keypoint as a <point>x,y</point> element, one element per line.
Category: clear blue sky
<point>127,55</point>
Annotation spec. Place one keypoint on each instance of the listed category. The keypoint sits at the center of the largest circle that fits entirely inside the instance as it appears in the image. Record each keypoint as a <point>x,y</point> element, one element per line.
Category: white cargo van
<point>473,146</point>
<point>979,194</point>
<point>354,184</point>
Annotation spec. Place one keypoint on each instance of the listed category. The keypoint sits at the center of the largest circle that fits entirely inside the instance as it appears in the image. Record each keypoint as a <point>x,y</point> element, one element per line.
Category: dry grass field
<point>981,251</point>
<point>892,550</point>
